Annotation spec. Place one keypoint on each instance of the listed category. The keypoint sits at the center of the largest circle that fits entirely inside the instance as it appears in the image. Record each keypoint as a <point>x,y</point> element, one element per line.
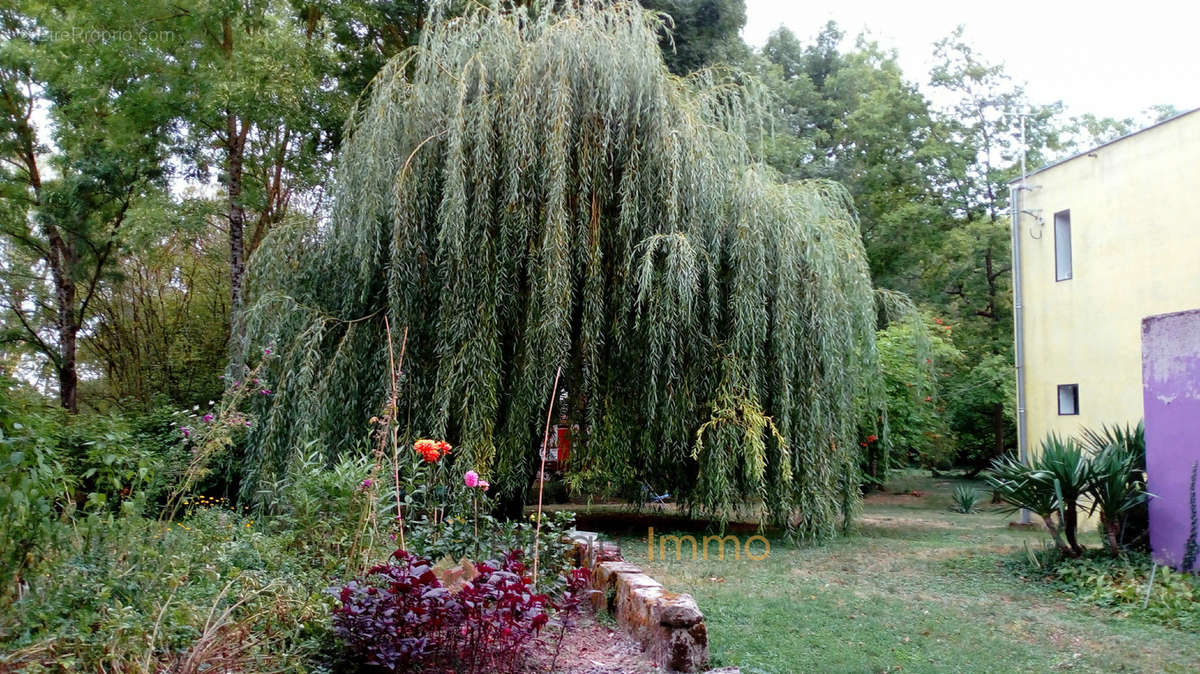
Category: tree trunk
<point>1070,527</point>
<point>997,430</point>
<point>1112,529</point>
<point>235,149</point>
<point>61,259</point>
<point>237,223</point>
<point>1057,536</point>
<point>68,377</point>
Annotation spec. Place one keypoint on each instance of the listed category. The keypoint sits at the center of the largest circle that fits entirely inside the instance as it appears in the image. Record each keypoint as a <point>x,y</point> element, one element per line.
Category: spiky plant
<point>1131,518</point>
<point>1054,482</point>
<point>1117,489</point>
<point>529,188</point>
<point>965,499</point>
<point>1132,439</point>
<point>1020,486</point>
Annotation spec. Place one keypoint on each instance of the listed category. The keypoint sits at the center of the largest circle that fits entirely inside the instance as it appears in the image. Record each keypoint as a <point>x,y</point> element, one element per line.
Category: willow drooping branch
<point>528,189</point>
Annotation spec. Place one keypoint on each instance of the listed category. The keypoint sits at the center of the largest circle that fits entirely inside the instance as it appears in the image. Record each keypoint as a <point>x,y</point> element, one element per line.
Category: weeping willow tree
<point>529,188</point>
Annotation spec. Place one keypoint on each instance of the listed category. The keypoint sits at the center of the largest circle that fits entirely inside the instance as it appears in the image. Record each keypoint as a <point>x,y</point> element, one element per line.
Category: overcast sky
<point>1101,57</point>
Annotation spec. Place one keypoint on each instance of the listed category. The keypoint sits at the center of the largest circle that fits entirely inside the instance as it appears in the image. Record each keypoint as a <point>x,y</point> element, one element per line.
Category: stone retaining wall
<point>669,625</point>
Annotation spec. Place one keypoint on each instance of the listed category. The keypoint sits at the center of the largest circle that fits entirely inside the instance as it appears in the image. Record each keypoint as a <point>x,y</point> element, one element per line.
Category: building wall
<point>1171,380</point>
<point>1135,231</point>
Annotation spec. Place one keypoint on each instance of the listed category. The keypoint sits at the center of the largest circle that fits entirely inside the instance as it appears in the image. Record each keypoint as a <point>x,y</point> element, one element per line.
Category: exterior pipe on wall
<point>1018,324</point>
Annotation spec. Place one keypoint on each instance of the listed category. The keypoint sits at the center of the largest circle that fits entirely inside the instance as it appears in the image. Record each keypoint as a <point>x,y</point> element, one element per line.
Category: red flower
<point>431,450</point>
<point>938,321</point>
<point>928,399</point>
<point>872,438</point>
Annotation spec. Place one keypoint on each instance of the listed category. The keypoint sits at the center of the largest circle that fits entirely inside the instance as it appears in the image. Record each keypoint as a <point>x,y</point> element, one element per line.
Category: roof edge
<point>1090,150</point>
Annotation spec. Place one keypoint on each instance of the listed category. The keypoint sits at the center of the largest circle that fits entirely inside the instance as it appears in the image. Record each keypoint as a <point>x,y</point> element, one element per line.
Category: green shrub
<point>976,392</point>
<point>1118,488</point>
<point>104,588</point>
<point>966,499</point>
<point>35,495</point>
<point>913,359</point>
<point>456,537</point>
<point>316,507</point>
<point>105,455</point>
<point>106,460</point>
<point>157,433</point>
<point>1069,472</point>
<point>1121,583</point>
<point>91,583</point>
<point>124,593</point>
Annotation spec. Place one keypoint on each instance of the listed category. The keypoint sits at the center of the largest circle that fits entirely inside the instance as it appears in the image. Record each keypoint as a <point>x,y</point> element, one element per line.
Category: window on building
<point>1062,245</point>
<point>1068,399</point>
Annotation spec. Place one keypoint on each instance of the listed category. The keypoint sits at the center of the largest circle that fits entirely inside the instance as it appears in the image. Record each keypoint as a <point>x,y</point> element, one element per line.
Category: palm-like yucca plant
<point>1131,438</point>
<point>1110,478</point>
<point>1118,484</point>
<point>1070,473</point>
<point>1115,489</point>
<point>1020,486</point>
<point>1051,485</point>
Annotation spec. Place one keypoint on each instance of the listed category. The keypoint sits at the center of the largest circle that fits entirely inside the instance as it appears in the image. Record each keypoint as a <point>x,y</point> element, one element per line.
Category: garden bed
<point>593,647</point>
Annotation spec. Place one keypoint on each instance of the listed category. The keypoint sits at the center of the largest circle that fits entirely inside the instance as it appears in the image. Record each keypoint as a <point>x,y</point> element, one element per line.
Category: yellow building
<point>1100,241</point>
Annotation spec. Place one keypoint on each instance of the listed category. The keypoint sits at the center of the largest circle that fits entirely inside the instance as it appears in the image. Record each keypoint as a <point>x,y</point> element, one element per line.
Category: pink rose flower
<point>471,478</point>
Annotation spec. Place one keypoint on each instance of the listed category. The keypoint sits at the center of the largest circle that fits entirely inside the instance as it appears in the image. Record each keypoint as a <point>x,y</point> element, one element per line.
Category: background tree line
<point>148,149</point>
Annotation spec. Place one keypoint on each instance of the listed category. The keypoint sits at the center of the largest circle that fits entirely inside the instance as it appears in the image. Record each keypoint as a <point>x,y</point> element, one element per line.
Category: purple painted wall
<point>1171,397</point>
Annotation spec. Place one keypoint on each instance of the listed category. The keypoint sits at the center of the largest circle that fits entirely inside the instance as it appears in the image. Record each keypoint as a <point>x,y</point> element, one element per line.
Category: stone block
<point>604,582</point>
<point>679,638</point>
<point>583,547</point>
<point>637,599</point>
<point>608,552</point>
<point>678,610</point>
<point>681,650</point>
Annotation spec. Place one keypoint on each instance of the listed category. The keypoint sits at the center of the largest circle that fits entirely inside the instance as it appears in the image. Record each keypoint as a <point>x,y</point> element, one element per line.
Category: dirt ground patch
<point>591,647</point>
<point>908,498</point>
<point>904,522</point>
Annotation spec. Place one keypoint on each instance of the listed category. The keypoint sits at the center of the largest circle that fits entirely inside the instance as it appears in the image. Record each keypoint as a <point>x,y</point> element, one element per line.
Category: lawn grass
<point>915,588</point>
